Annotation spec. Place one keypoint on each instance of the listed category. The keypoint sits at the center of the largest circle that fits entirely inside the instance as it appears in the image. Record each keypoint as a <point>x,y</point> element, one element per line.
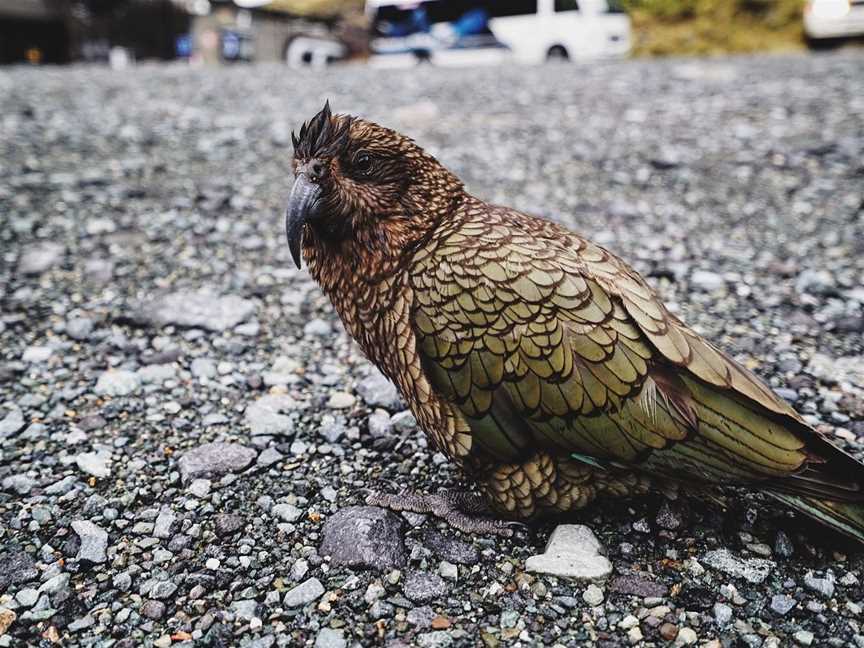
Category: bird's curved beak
<point>303,204</point>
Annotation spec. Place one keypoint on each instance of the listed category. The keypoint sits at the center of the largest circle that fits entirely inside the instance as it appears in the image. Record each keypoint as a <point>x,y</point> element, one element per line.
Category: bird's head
<point>358,181</point>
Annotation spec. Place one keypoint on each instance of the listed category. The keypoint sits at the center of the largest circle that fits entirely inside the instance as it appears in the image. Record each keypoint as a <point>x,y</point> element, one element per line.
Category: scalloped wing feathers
<point>541,338</point>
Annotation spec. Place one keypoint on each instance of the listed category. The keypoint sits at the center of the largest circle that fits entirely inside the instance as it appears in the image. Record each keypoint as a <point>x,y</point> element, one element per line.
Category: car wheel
<point>824,44</point>
<point>557,53</point>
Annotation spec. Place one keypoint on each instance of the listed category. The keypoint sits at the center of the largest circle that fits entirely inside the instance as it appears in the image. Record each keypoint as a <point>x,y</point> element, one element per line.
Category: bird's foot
<point>460,509</point>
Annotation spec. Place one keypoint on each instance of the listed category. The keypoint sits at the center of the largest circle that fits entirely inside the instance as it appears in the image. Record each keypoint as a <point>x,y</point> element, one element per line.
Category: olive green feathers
<point>547,342</point>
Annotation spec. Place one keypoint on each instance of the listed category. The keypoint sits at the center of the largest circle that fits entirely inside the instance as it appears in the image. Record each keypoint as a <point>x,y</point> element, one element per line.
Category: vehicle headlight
<point>829,9</point>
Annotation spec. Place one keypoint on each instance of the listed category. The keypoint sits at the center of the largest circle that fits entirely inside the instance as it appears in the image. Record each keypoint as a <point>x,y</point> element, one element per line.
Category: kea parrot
<point>540,363</point>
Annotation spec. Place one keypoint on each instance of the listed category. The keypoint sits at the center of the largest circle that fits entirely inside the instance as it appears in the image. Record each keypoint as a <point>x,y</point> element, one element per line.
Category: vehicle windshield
<point>466,16</point>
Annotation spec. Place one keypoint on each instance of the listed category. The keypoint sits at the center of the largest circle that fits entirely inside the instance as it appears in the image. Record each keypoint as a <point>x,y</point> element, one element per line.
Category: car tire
<point>824,44</point>
<point>557,53</point>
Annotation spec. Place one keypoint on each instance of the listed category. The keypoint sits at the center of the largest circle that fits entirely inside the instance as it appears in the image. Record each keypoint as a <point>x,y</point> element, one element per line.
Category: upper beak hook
<point>302,204</point>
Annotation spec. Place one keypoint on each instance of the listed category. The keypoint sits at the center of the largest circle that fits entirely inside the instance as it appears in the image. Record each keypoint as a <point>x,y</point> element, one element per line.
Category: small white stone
<point>628,622</point>
<point>694,567</point>
<point>374,591</point>
<point>686,637</point>
<point>707,281</point>
<point>212,563</point>
<point>573,551</point>
<point>203,368</point>
<point>593,595</point>
<point>37,354</point>
<point>286,512</point>
<point>118,383</point>
<point>172,407</point>
<point>448,570</point>
<point>199,488</point>
<point>341,400</point>
<point>94,463</point>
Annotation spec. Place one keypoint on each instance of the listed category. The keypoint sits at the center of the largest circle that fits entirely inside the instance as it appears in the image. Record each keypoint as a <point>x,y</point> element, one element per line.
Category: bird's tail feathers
<point>844,517</point>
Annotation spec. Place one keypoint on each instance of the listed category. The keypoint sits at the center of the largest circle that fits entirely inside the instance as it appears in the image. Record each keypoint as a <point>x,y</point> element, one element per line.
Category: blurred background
<point>399,33</point>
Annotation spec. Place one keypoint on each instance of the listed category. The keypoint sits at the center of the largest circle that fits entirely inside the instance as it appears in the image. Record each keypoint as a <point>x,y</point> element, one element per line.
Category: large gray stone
<point>364,536</point>
<point>215,459</point>
<point>753,570</point>
<point>573,551</point>
<point>16,567</point>
<point>202,309</point>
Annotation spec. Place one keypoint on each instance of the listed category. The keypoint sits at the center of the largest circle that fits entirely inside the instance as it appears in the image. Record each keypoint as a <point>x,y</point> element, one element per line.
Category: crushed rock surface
<point>182,415</point>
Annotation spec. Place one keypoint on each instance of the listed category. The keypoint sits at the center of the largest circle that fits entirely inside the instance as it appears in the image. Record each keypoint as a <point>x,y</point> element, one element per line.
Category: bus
<point>471,32</point>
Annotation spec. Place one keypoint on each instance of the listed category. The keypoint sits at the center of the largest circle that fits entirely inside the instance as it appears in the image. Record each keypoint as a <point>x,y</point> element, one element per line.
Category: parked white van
<point>456,32</point>
<point>833,19</point>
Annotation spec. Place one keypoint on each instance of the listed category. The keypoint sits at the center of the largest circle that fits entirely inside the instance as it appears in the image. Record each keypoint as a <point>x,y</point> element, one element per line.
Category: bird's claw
<point>459,511</point>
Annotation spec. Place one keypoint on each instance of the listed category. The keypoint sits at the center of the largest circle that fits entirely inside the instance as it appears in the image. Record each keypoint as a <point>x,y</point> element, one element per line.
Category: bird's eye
<point>363,162</point>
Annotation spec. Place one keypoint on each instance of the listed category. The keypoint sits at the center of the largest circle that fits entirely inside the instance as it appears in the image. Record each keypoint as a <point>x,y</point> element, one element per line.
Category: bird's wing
<point>542,338</point>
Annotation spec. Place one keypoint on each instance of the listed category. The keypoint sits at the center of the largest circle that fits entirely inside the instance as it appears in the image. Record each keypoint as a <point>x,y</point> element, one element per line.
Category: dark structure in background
<point>208,31</point>
<point>148,29</point>
<point>34,31</point>
<point>61,31</point>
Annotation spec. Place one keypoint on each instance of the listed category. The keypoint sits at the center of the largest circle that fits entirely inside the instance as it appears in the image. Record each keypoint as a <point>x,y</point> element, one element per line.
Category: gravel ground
<point>186,432</point>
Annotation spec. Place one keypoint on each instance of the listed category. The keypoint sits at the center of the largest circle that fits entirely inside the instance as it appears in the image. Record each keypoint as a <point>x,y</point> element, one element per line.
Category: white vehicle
<point>454,32</point>
<point>830,19</point>
<point>315,51</point>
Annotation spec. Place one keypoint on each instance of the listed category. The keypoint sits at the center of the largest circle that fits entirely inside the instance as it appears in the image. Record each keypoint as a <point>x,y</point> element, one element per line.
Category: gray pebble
<point>329,638</point>
<point>118,382</point>
<point>94,541</point>
<point>364,536</point>
<point>306,592</point>
<point>782,603</point>
<point>153,609</point>
<point>422,587</point>
<point>286,512</point>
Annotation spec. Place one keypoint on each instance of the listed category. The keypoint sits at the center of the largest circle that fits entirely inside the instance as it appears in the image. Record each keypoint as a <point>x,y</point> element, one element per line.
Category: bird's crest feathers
<point>323,135</point>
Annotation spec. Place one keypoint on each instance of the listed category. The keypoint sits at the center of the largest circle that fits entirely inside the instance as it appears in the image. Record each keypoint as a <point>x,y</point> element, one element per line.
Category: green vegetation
<point>318,7</point>
<point>665,27</point>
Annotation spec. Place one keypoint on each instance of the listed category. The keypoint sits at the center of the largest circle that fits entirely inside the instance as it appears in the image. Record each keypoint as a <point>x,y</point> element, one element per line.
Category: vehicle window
<point>511,7</point>
<point>616,6</point>
<point>566,5</point>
